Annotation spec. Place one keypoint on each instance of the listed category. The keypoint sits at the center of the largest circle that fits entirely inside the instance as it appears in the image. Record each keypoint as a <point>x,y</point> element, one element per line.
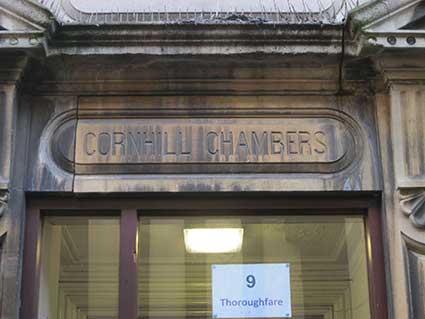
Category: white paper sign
<point>251,291</point>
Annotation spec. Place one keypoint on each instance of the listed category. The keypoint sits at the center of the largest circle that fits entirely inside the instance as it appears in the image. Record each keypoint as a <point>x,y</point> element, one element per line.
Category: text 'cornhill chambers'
<point>190,144</point>
<point>140,141</point>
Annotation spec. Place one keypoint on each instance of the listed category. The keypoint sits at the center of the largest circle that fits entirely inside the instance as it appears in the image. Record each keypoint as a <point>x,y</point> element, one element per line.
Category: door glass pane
<point>326,257</point>
<point>79,268</point>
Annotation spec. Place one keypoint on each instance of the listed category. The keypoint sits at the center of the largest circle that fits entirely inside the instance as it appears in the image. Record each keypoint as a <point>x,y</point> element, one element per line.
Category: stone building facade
<point>296,109</point>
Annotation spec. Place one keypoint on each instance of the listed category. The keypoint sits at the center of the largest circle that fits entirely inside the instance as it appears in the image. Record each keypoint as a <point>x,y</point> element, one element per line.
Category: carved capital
<point>12,66</point>
<point>4,198</point>
<point>412,204</point>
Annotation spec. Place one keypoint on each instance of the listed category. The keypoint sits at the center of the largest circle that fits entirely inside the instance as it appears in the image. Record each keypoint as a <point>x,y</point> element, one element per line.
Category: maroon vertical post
<point>31,264</point>
<point>377,264</point>
<point>128,265</point>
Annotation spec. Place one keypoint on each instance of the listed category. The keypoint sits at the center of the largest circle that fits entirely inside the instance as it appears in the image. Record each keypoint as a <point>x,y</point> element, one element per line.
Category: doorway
<point>155,257</point>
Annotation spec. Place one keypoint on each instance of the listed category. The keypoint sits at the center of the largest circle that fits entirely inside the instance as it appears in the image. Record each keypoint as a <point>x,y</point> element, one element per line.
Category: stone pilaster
<point>401,120</point>
<point>10,72</point>
<point>12,197</point>
<point>7,119</point>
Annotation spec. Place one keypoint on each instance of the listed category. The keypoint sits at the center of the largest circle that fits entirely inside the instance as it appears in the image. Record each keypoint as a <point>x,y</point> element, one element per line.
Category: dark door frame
<point>129,208</point>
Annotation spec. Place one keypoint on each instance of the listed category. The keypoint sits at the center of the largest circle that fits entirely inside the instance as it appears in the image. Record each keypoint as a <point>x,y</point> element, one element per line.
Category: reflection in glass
<point>79,268</point>
<point>327,256</point>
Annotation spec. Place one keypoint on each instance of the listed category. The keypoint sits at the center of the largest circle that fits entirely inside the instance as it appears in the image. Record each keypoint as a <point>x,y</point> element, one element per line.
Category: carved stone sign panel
<point>174,145</point>
<point>206,143</point>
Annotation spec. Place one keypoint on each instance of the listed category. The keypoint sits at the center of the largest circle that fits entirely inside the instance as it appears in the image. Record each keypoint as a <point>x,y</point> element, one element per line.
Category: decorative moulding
<point>4,197</point>
<point>414,258</point>
<point>396,27</point>
<point>208,144</point>
<point>412,204</point>
<point>17,31</point>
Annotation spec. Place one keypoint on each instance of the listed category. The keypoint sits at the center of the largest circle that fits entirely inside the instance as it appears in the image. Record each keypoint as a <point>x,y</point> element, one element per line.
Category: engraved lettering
<point>304,142</point>
<point>104,143</point>
<point>243,143</point>
<point>134,143</point>
<point>88,146</point>
<point>259,145</point>
<point>319,138</point>
<point>158,144</point>
<point>291,138</point>
<point>276,142</point>
<point>168,151</point>
<point>148,143</point>
<point>213,145</point>
<point>212,142</point>
<point>226,142</point>
<point>118,141</point>
<point>185,142</point>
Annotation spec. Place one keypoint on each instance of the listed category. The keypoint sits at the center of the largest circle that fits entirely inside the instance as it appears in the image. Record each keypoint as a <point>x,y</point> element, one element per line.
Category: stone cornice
<point>401,66</point>
<point>186,74</point>
<point>178,39</point>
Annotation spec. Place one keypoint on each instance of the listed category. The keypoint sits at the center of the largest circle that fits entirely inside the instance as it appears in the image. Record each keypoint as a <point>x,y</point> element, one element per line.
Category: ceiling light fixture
<point>213,240</point>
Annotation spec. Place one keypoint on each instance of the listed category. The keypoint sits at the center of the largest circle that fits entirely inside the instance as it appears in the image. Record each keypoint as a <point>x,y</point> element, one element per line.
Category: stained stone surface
<point>44,174</point>
<point>322,107</point>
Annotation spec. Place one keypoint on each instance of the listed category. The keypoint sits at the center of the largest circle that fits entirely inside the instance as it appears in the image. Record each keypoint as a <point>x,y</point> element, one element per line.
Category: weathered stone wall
<point>217,111</point>
<point>60,101</point>
<point>400,115</point>
<point>87,81</point>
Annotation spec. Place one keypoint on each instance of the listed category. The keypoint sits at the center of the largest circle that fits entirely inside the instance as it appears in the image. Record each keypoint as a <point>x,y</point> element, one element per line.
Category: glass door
<point>203,258</point>
<point>325,256</point>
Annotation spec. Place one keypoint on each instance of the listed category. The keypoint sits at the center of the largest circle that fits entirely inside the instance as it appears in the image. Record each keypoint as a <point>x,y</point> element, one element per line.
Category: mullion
<point>376,264</point>
<point>128,265</point>
<point>31,264</point>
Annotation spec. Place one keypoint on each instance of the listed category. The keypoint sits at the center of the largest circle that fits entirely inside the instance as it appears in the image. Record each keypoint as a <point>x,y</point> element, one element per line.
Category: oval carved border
<point>350,157</point>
